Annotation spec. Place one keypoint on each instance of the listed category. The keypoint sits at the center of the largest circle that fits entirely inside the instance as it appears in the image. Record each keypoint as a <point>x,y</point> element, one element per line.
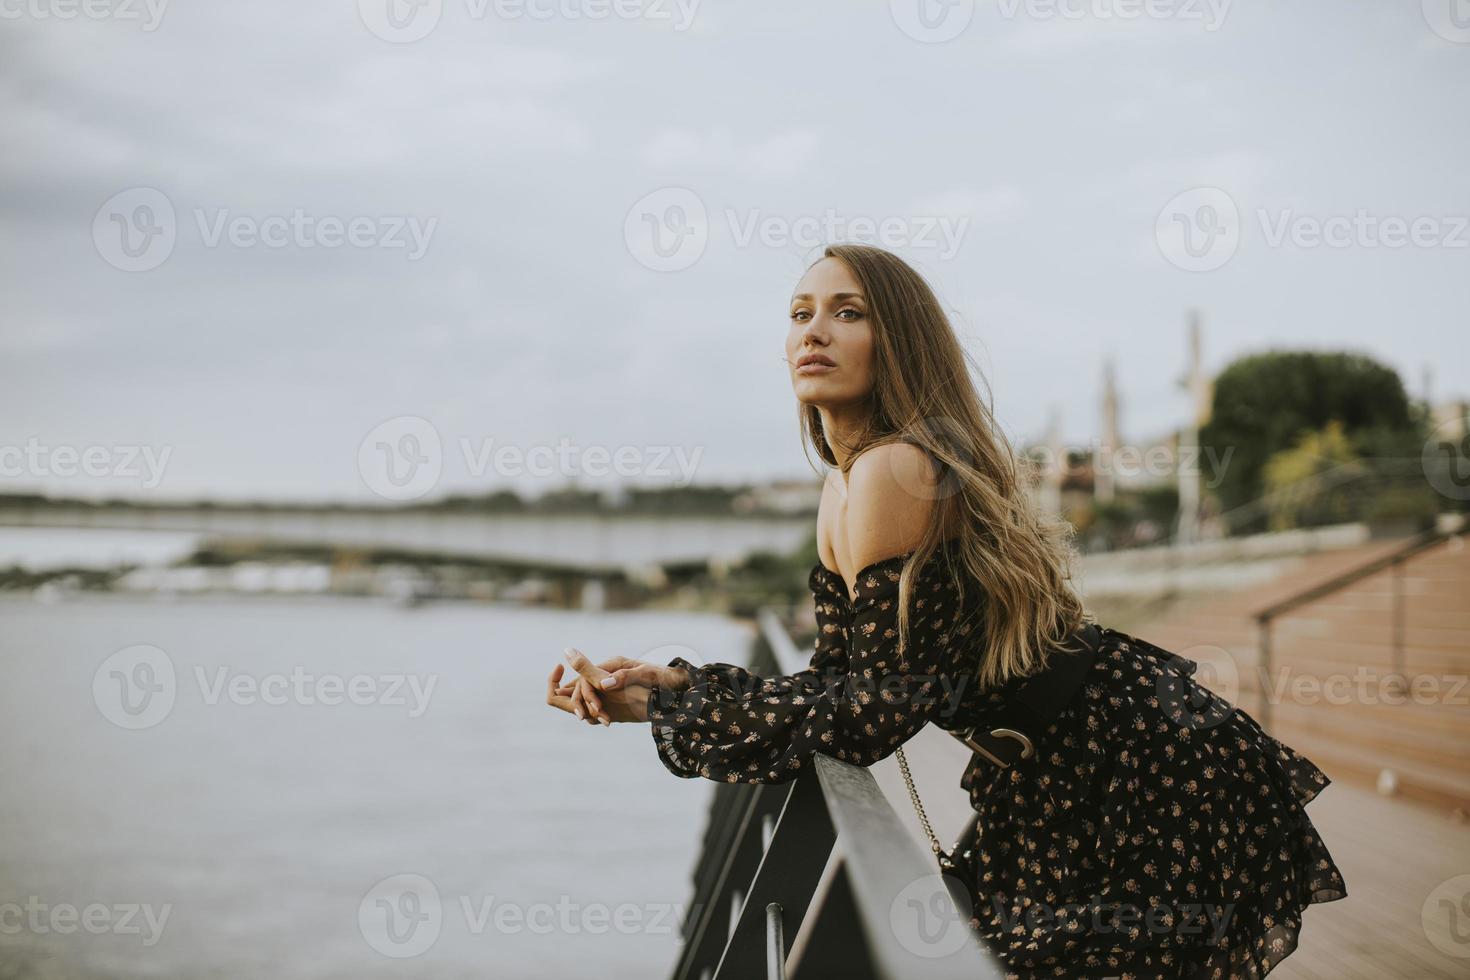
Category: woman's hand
<point>615,690</point>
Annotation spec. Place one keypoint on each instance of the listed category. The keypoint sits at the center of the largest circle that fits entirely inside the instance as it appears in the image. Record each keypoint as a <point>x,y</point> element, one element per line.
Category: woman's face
<point>829,348</point>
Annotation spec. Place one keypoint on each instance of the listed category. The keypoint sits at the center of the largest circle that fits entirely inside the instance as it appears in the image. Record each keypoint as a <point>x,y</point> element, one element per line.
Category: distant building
<point>1450,420</point>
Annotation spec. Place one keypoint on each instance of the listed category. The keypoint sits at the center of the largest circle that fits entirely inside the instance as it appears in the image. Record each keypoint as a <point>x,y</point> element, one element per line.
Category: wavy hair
<point>923,395</point>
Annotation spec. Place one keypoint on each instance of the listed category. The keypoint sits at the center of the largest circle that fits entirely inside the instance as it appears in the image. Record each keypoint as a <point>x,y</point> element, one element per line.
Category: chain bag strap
<point>959,887</point>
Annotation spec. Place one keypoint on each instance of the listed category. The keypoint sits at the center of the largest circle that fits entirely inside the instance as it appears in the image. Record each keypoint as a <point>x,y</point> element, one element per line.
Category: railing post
<point>1263,672</point>
<point>775,943</point>
<point>1399,680</point>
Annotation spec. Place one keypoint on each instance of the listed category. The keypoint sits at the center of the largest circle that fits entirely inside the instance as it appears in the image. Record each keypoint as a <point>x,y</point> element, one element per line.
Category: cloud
<point>997,203</point>
<point>783,154</point>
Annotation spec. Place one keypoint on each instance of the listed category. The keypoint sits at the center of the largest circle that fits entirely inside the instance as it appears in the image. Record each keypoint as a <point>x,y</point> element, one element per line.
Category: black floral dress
<point>1157,831</point>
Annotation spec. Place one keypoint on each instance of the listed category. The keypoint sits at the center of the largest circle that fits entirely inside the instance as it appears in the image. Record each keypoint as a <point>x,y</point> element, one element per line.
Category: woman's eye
<point>848,315</point>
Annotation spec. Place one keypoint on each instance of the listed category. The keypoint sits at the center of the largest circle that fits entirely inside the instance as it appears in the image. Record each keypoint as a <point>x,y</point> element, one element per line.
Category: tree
<point>1294,502</point>
<point>1266,403</point>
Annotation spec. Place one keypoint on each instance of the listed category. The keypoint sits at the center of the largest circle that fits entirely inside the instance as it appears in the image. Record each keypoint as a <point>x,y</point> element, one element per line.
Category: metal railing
<point>1348,492</point>
<point>818,878</point>
<point>1394,561</point>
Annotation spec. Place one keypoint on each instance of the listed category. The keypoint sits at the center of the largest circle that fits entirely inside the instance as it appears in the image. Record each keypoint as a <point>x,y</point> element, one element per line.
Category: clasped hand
<point>614,690</point>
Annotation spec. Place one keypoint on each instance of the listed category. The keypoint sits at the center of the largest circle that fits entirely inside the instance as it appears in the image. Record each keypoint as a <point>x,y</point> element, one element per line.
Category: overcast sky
<point>243,237</point>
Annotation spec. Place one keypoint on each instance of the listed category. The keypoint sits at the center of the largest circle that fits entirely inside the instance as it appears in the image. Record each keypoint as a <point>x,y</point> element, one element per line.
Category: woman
<point>1128,821</point>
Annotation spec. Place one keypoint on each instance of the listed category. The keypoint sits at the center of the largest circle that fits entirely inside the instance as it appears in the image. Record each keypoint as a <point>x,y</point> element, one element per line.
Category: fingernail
<point>578,711</point>
<point>605,722</point>
<point>608,681</point>
<point>567,653</point>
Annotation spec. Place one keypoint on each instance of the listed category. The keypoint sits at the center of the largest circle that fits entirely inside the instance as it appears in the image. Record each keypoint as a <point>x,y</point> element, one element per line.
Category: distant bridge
<point>599,543</point>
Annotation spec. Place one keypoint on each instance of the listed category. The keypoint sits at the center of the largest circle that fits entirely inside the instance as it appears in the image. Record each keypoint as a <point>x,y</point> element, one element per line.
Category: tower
<point>1056,469</point>
<point>1104,485</point>
<point>1187,455</point>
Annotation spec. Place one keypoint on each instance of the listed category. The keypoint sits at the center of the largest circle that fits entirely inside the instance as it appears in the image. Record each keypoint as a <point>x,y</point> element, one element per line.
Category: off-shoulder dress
<point>1157,830</point>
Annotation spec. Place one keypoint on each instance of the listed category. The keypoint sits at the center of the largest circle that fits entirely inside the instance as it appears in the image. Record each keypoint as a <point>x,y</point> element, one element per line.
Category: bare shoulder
<point>890,502</point>
<point>829,517</point>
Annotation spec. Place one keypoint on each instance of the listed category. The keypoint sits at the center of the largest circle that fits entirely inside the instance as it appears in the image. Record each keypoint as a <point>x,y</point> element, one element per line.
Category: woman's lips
<point>815,367</point>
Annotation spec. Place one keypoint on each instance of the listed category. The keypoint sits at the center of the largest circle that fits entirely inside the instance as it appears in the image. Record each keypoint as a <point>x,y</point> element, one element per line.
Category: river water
<point>314,788</point>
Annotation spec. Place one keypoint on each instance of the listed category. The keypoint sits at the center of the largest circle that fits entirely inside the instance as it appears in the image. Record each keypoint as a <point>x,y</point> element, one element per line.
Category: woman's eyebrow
<point>808,296</point>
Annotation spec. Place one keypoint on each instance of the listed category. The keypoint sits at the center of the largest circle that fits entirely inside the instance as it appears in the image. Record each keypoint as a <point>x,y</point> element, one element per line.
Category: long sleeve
<point>858,702</point>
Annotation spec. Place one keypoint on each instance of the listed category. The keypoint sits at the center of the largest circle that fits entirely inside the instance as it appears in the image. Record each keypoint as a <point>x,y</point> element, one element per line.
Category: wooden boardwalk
<point>1392,854</point>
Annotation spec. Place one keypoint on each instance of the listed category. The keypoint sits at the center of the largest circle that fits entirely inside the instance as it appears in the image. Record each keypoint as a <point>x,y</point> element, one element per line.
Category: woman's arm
<point>626,685</point>
<point>859,713</point>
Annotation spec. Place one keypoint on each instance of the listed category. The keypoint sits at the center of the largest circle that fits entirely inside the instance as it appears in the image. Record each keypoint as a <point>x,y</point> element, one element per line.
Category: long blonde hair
<point>922,394</point>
